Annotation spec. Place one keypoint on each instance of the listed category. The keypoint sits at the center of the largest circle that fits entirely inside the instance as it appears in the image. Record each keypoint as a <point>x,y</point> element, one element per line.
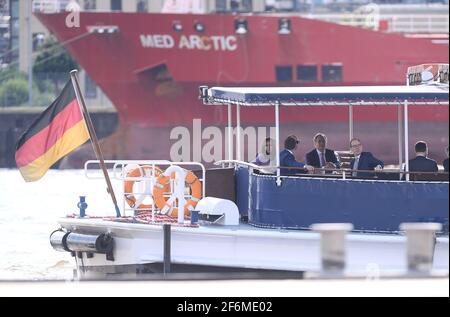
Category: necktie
<point>355,166</point>
<point>322,159</point>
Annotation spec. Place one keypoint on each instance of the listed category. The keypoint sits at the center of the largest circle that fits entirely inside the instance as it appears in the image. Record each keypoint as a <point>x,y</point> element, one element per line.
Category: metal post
<point>277,140</point>
<point>82,205</point>
<point>230,133</point>
<point>238,132</point>
<point>30,55</point>
<point>406,140</point>
<point>167,237</point>
<point>93,136</point>
<point>420,245</point>
<point>405,120</point>
<point>400,137</point>
<point>350,122</point>
<point>332,245</point>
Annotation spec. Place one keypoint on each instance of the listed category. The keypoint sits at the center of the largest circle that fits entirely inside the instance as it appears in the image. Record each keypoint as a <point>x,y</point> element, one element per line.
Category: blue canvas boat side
<point>242,189</point>
<point>370,205</point>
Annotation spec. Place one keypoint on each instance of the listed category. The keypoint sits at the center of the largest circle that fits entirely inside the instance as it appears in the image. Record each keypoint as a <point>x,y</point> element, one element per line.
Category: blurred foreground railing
<point>391,23</point>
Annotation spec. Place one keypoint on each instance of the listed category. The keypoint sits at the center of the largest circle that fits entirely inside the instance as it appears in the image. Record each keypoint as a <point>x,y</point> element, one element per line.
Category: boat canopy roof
<point>309,96</point>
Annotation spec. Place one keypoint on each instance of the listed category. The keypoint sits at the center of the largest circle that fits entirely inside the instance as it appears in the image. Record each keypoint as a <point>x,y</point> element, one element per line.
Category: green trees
<point>50,72</point>
<point>54,63</point>
<point>13,92</point>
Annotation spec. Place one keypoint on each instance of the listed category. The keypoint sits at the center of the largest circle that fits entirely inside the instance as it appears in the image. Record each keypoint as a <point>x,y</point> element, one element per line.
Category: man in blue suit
<point>421,163</point>
<point>287,158</point>
<point>364,161</point>
<point>321,157</point>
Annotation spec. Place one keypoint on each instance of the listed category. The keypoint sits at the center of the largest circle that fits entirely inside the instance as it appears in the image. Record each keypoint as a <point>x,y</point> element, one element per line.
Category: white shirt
<point>355,164</point>
<point>324,158</point>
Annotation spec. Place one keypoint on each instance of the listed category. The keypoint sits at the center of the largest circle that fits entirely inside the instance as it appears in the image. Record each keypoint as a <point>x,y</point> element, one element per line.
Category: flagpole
<point>90,126</point>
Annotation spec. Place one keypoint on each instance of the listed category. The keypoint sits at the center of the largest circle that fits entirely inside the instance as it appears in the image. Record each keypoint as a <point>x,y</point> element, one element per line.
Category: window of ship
<point>142,6</point>
<point>234,5</point>
<point>246,5</point>
<point>221,5</point>
<point>90,5</point>
<point>283,5</point>
<point>283,73</point>
<point>307,72</point>
<point>332,72</point>
<point>116,5</point>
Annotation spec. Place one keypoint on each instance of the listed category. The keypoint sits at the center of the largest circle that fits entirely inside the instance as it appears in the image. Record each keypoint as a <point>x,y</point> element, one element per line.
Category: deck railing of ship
<point>120,170</point>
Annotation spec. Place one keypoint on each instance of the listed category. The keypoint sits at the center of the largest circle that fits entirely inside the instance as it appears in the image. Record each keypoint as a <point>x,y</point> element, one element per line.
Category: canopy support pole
<point>277,140</point>
<point>406,140</point>
<point>406,126</point>
<point>400,137</point>
<point>350,122</point>
<point>230,133</point>
<point>238,132</point>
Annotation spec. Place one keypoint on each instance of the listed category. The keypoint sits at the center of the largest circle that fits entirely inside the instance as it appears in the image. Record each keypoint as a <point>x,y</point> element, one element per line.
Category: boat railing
<point>120,170</point>
<point>370,18</point>
<point>344,173</point>
<point>391,23</point>
<point>384,174</point>
<point>234,163</point>
<point>50,6</point>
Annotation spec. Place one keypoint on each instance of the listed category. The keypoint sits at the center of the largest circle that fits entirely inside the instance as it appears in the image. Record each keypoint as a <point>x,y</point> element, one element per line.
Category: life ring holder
<point>196,190</point>
<point>140,171</point>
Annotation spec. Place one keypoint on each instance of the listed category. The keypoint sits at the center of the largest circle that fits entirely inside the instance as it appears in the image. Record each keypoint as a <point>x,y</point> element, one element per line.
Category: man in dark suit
<point>363,161</point>
<point>287,158</point>
<point>321,157</point>
<point>421,163</point>
<point>445,163</point>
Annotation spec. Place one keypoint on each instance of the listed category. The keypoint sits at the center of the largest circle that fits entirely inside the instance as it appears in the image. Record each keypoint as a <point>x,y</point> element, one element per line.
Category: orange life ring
<point>196,193</point>
<point>128,185</point>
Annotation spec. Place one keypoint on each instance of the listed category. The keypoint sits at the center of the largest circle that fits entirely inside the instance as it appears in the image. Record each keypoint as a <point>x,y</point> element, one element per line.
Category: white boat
<point>264,226</point>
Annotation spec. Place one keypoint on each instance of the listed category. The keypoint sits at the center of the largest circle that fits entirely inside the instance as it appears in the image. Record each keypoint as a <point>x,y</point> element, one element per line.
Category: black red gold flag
<point>59,130</point>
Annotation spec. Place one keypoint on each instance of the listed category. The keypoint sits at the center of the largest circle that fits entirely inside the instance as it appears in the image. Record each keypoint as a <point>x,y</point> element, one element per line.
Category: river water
<point>29,214</point>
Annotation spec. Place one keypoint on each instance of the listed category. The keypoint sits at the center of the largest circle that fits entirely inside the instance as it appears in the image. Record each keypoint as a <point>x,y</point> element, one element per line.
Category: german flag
<point>59,130</point>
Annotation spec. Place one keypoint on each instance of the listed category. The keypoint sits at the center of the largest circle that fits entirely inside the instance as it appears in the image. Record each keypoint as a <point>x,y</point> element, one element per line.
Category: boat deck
<point>246,247</point>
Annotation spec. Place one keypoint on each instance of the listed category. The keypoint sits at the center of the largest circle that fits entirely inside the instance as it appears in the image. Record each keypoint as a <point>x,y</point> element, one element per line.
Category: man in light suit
<point>364,161</point>
<point>287,158</point>
<point>321,157</point>
<point>421,163</point>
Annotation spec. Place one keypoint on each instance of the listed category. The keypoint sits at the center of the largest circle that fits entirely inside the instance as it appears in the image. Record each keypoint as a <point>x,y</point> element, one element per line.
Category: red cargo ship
<point>150,65</point>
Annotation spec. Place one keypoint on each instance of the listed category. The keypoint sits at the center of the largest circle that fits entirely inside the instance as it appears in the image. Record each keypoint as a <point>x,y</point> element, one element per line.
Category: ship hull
<point>141,143</point>
<point>151,74</point>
